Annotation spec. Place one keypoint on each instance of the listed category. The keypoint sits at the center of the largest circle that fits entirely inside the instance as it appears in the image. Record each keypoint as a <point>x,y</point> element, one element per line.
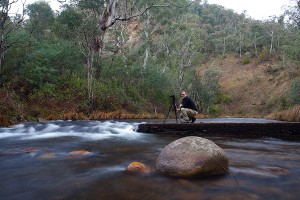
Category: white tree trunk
<point>255,45</point>
<point>147,51</point>
<point>272,40</point>
<point>90,72</point>
<point>240,46</point>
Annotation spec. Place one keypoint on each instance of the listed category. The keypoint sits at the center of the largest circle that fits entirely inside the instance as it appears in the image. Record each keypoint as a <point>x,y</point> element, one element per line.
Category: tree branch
<point>108,18</point>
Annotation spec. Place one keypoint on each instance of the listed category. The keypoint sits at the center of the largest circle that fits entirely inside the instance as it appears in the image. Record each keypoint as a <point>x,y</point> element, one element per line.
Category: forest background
<point>102,59</point>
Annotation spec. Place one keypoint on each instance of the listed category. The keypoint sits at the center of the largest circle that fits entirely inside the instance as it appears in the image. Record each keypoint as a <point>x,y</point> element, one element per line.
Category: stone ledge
<point>284,130</point>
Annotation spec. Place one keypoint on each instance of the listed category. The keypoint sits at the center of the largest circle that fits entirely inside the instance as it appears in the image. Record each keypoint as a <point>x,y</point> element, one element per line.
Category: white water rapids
<point>89,130</point>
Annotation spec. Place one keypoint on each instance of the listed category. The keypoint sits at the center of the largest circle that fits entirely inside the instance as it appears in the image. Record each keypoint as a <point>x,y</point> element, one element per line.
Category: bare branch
<point>108,18</point>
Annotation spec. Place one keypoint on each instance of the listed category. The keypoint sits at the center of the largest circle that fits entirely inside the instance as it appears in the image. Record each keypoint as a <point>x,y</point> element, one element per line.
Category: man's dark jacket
<point>187,102</point>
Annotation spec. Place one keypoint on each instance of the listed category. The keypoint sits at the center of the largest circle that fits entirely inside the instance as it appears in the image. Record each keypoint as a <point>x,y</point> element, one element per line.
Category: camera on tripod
<point>173,101</point>
<point>172,105</point>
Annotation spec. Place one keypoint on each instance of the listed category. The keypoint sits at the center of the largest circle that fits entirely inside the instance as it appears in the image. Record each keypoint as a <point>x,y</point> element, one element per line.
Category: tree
<point>68,23</point>
<point>8,26</point>
<point>293,13</point>
<point>211,83</point>
<point>49,61</point>
<point>99,17</point>
<point>295,91</point>
<point>41,19</point>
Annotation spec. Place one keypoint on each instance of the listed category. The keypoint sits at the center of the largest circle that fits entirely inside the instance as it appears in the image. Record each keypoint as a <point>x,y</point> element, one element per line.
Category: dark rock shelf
<point>220,128</point>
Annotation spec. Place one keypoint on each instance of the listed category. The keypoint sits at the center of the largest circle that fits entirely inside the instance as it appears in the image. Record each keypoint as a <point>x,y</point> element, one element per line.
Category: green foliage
<point>223,98</point>
<point>68,23</point>
<point>264,55</point>
<point>246,60</point>
<point>129,87</point>
<point>295,91</point>
<point>47,90</point>
<point>284,103</point>
<point>281,103</point>
<point>292,47</point>
<point>214,110</point>
<point>17,54</point>
<point>271,102</point>
<point>72,86</point>
<point>49,61</point>
<point>207,91</point>
<point>41,18</point>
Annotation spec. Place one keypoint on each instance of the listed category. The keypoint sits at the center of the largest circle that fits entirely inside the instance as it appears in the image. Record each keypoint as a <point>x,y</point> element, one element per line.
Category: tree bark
<point>272,39</point>
<point>255,45</point>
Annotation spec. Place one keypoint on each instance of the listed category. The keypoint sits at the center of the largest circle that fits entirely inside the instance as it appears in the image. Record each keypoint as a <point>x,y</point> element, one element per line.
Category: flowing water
<point>36,162</point>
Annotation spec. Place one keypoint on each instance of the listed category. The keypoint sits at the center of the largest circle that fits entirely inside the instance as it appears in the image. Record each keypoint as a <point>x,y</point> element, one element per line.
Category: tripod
<point>173,105</point>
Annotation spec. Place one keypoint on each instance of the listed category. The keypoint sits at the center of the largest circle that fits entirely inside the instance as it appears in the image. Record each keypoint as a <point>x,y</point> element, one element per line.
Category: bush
<point>273,69</point>
<point>214,110</point>
<point>295,91</point>
<point>264,55</point>
<point>245,60</point>
<point>223,98</point>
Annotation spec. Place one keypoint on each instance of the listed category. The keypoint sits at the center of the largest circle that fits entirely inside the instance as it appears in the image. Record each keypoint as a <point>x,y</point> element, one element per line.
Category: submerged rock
<point>79,152</point>
<point>137,167</point>
<point>192,156</point>
<point>47,156</point>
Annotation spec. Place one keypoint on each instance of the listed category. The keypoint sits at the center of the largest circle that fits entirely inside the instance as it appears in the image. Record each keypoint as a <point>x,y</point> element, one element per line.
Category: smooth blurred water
<point>35,163</point>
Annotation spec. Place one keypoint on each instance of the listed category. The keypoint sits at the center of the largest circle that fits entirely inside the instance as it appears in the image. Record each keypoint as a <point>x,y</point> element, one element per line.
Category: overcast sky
<point>257,9</point>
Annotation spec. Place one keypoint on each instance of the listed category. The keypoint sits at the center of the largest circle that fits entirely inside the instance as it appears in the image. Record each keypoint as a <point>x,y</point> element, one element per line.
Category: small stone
<point>137,167</point>
<point>79,152</point>
<point>47,156</point>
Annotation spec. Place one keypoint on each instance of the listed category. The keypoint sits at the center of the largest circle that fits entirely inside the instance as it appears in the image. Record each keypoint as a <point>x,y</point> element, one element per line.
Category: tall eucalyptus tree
<point>99,17</point>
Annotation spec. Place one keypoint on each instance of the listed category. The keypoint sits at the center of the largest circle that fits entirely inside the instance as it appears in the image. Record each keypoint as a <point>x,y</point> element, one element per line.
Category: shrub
<point>295,91</point>
<point>245,60</point>
<point>223,98</point>
<point>273,69</point>
<point>214,110</point>
<point>264,55</point>
<point>271,102</point>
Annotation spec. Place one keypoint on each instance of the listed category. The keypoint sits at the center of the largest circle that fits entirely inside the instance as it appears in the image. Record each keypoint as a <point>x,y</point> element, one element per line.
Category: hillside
<point>77,64</point>
<point>255,90</point>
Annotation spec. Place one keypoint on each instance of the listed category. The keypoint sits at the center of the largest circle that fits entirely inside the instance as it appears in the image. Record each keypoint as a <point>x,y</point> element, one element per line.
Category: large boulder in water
<point>192,156</point>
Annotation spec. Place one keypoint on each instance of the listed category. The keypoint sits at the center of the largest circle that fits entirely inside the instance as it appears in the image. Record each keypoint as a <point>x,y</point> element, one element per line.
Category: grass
<point>290,115</point>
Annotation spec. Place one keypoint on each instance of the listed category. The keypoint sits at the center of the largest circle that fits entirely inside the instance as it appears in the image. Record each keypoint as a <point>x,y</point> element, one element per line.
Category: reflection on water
<point>35,163</point>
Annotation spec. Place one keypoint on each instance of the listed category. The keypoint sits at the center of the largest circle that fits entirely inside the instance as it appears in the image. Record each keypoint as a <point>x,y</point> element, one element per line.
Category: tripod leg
<point>175,110</point>
<point>168,114</point>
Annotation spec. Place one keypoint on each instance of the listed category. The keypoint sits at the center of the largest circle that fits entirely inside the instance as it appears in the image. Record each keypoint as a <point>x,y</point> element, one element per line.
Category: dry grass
<point>254,91</point>
<point>120,114</point>
<point>291,115</point>
<point>72,115</point>
<point>4,121</point>
<point>99,115</point>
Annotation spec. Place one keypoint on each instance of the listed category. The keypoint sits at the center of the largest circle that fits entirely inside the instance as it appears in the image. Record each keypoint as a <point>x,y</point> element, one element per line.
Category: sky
<point>257,9</point>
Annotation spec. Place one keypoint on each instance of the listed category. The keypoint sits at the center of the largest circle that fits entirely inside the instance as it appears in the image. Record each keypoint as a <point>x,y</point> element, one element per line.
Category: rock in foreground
<point>137,167</point>
<point>192,156</point>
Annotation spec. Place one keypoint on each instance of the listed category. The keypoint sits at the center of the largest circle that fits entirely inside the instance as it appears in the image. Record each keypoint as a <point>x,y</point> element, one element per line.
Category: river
<point>37,161</point>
